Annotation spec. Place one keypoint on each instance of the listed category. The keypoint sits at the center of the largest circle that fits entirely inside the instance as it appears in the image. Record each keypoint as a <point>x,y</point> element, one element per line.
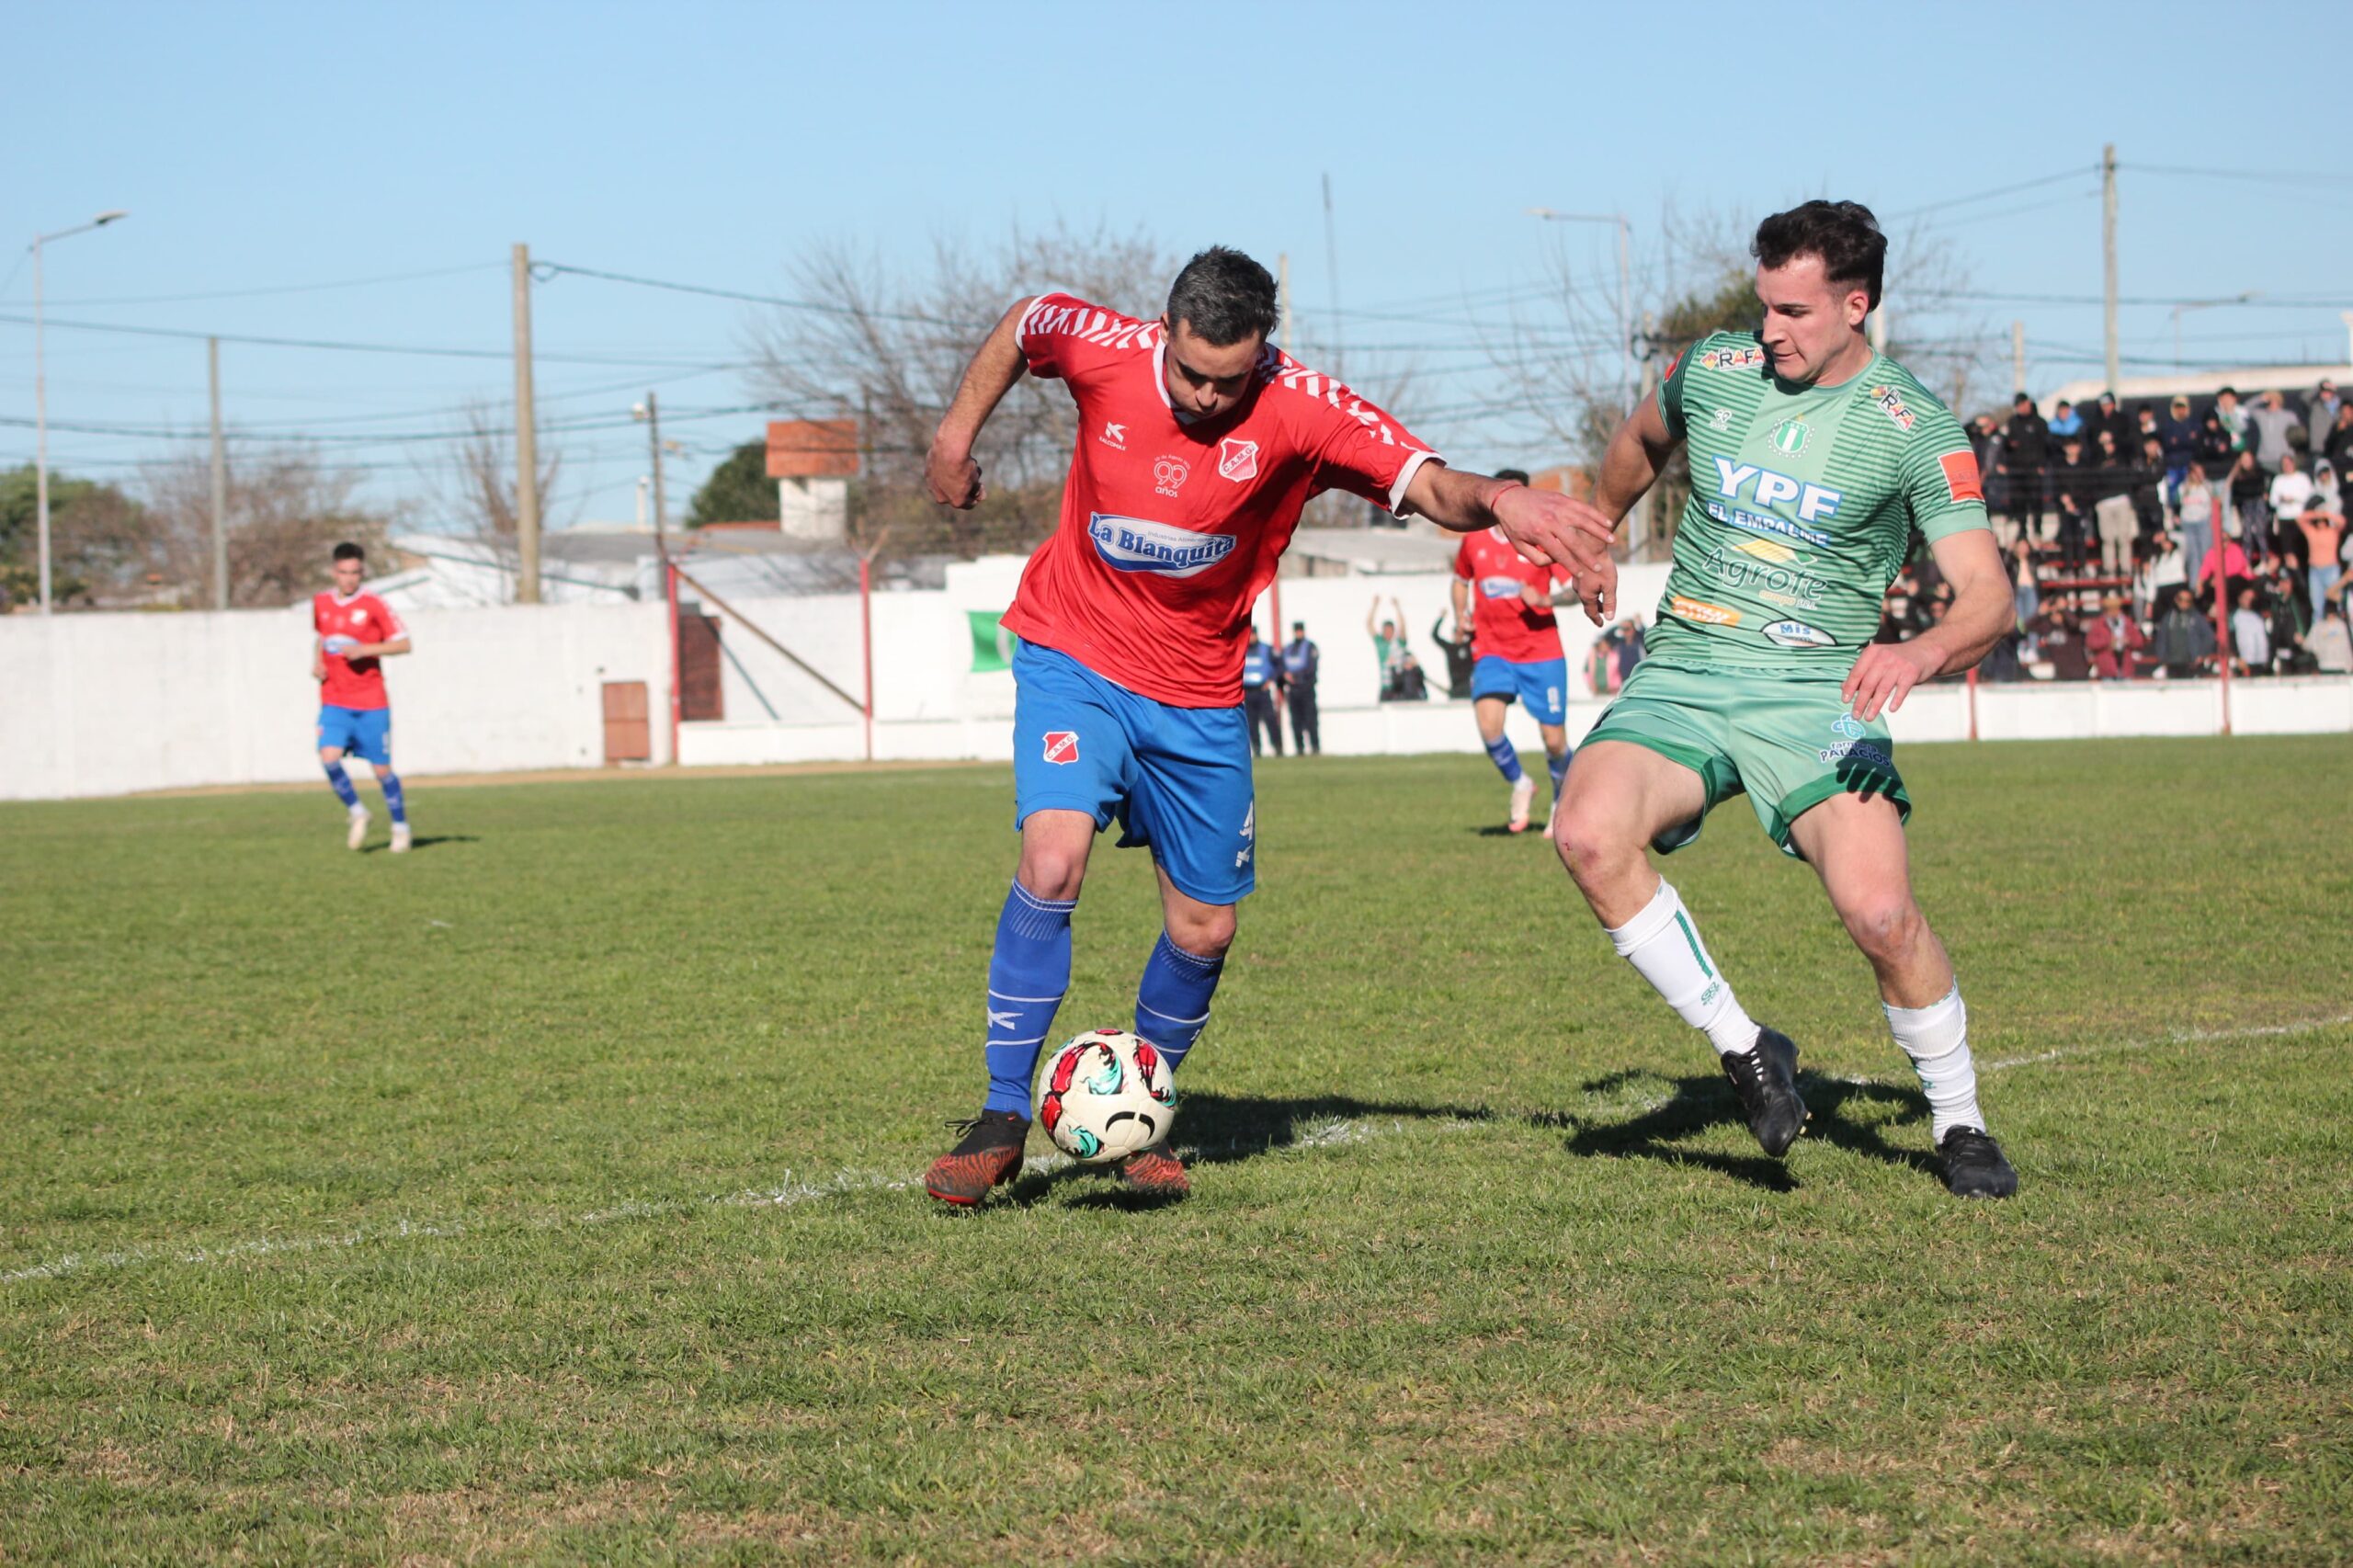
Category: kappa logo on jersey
<point>1499,587</point>
<point>1062,745</point>
<point>1891,404</point>
<point>1733,358</point>
<point>1767,488</point>
<point>1138,544</point>
<point>1961,482</point>
<point>1169,475</point>
<point>1114,437</point>
<point>1238,459</point>
<point>1797,634</point>
<point>1703,612</point>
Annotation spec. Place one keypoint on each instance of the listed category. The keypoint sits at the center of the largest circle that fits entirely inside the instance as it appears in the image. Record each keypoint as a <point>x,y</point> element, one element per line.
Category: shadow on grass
<point>424,843</point>
<point>1701,1101</point>
<point>1218,1130</point>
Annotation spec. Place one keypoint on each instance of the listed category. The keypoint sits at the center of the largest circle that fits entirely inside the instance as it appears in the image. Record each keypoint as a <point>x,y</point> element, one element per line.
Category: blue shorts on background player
<point>1541,688</point>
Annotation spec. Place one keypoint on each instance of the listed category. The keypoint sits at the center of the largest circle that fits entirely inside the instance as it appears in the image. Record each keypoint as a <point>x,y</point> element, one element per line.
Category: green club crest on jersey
<point>1790,437</point>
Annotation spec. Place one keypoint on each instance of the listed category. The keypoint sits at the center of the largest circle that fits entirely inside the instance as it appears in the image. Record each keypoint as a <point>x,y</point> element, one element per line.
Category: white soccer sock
<point>1664,947</point>
<point>1937,1040</point>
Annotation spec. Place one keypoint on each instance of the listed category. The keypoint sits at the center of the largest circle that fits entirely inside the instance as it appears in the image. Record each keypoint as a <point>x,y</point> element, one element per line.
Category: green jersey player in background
<point>1813,460</point>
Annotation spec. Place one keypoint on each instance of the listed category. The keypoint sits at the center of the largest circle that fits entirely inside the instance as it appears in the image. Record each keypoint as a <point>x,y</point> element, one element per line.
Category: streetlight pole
<point>1625,310</point>
<point>40,394</point>
<point>2184,307</point>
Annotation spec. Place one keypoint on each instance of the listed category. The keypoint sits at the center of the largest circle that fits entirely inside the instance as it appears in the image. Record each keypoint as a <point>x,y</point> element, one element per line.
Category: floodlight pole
<point>526,441</point>
<point>40,395</point>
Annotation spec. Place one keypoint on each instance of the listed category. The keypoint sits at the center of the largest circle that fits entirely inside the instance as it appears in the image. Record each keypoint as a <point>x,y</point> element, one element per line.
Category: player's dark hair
<point>1516,475</point>
<point>348,550</point>
<point>1224,297</point>
<point>1843,234</point>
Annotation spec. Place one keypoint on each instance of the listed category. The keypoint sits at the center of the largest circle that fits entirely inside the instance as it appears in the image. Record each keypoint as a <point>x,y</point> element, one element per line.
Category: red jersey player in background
<point>1198,443</point>
<point>1504,601</point>
<point>356,631</point>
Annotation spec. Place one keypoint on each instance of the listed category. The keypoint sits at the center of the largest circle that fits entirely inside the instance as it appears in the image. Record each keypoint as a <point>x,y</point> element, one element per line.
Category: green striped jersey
<point>1803,504</point>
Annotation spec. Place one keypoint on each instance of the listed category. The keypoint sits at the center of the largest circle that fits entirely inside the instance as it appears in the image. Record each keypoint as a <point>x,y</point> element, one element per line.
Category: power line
<point>2257,177</point>
<point>2075,173</point>
<point>411,349</point>
<point>548,270</point>
<point>273,289</point>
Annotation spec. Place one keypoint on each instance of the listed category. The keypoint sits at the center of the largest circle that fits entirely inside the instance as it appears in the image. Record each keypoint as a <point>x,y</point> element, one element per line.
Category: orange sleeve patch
<point>1961,476</point>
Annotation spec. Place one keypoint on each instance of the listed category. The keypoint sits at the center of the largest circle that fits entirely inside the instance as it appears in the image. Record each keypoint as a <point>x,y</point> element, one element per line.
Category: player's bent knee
<point>1590,844</point>
<point>1205,932</point>
<point>1884,925</point>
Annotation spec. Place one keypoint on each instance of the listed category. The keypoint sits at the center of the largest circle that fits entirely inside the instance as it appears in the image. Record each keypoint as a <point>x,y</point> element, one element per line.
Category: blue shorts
<point>1176,779</point>
<point>1543,686</point>
<point>365,732</point>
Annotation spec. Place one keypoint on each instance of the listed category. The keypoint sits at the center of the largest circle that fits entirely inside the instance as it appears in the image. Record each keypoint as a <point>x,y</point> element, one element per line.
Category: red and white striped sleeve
<point>1061,332</point>
<point>1361,447</point>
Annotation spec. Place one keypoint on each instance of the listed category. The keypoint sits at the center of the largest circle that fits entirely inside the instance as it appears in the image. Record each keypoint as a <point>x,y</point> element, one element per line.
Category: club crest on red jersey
<point>1238,459</point>
<point>1062,745</point>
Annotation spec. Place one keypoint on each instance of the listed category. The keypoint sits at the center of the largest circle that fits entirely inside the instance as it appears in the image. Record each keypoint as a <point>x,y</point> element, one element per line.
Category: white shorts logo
<point>1138,544</point>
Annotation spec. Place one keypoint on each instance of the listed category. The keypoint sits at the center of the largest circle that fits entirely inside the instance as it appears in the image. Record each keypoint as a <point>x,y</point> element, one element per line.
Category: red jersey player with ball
<point>1198,443</point>
<point>356,631</point>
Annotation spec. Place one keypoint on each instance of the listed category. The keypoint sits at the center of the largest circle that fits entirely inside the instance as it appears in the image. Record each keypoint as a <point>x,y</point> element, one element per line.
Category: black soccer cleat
<point>988,1155</point>
<point>1975,1166</point>
<point>1765,1076</point>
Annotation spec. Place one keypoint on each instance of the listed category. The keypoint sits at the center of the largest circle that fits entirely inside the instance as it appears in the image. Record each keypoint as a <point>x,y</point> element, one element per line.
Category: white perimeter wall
<point>106,704</point>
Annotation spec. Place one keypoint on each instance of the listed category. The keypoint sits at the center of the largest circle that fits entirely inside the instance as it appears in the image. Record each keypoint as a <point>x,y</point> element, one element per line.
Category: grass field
<point>548,1193</point>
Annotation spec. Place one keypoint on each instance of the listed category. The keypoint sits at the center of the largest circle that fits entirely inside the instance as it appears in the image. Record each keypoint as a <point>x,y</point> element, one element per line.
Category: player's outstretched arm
<point>1637,455</point>
<point>1983,610</point>
<point>378,650</point>
<point>949,473</point>
<point>1547,527</point>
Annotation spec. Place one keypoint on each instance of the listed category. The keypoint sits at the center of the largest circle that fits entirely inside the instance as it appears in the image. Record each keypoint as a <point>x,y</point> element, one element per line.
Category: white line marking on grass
<point>789,1193</point>
<point>2178,1037</point>
<point>1333,1133</point>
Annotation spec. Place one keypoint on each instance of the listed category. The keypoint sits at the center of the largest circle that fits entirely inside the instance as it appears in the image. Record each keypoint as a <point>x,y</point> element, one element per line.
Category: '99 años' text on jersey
<point>1803,500</point>
<point>1170,529</point>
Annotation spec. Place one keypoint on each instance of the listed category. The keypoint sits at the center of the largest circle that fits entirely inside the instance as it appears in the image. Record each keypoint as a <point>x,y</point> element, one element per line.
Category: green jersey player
<point>1813,460</point>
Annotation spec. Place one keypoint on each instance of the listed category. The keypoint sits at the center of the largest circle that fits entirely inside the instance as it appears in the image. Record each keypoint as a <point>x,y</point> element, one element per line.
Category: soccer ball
<point>1105,1096</point>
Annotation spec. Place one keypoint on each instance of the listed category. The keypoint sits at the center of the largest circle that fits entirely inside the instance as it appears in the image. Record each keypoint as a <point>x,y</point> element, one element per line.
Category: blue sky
<point>264,146</point>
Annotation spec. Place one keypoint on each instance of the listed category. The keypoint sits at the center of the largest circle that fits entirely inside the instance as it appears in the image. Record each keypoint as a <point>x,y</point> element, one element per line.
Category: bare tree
<point>889,352</point>
<point>287,510</point>
<point>477,475</point>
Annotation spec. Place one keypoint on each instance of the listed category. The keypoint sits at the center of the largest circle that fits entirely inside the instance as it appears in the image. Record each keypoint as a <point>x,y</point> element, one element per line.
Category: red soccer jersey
<point>364,618</point>
<point>1503,624</point>
<point>1169,531</point>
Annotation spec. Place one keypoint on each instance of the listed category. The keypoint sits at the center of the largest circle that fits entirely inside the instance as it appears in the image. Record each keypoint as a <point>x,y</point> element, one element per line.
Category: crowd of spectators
<point>2120,527</point>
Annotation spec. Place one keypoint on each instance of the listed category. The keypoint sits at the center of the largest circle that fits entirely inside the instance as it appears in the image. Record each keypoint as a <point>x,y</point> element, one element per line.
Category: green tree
<point>99,538</point>
<point>738,491</point>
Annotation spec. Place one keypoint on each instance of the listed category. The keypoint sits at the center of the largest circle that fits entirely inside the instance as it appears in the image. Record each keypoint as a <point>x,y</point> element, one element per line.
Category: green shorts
<point>1787,740</point>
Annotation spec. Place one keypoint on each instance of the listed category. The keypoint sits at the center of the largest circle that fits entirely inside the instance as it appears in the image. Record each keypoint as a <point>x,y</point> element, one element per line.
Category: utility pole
<point>220,481</point>
<point>651,413</point>
<point>2018,358</point>
<point>1282,301</point>
<point>526,441</point>
<point>1638,518</point>
<point>2107,253</point>
<point>1332,270</point>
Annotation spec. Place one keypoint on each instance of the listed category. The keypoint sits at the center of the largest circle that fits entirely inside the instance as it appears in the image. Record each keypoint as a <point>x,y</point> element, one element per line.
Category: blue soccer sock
<point>1559,765</point>
<point>1028,974</point>
<point>1507,757</point>
<point>394,802</point>
<point>342,782</point>
<point>1173,999</point>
